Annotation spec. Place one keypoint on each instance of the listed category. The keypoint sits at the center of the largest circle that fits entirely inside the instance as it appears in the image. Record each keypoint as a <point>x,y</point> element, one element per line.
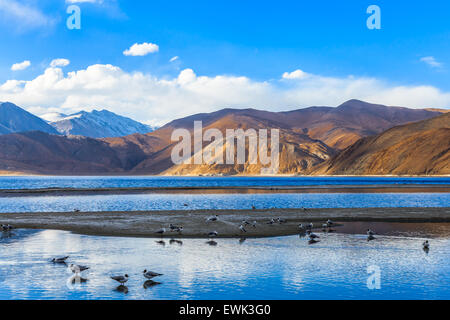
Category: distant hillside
<point>337,127</point>
<point>99,124</point>
<point>15,119</point>
<point>311,142</point>
<point>419,148</point>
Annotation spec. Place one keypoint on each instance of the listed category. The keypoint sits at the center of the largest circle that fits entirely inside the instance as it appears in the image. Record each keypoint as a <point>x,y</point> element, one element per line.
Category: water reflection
<point>271,268</point>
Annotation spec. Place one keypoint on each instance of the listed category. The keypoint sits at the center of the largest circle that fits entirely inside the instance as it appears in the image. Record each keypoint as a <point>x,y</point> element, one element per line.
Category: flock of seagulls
<point>121,279</point>
<point>6,227</point>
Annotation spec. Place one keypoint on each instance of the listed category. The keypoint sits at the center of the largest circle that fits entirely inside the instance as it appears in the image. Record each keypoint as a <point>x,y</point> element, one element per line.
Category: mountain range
<point>353,138</point>
<point>95,124</point>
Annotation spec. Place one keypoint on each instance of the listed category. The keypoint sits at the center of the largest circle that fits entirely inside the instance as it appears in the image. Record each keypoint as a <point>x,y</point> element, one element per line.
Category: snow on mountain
<point>15,119</point>
<point>99,124</point>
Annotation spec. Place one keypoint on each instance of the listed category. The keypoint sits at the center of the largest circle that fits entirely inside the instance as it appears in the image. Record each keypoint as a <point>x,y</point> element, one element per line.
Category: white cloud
<point>20,65</point>
<point>155,100</point>
<point>59,63</point>
<point>142,49</point>
<point>432,62</point>
<point>174,59</point>
<point>297,74</point>
<point>23,16</point>
<point>85,1</point>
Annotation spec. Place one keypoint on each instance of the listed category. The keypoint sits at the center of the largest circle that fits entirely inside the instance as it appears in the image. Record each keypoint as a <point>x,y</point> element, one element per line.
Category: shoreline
<point>430,188</point>
<point>146,223</point>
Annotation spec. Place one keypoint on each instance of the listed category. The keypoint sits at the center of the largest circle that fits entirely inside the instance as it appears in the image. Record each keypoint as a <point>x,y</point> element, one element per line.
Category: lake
<point>143,202</point>
<point>269,268</point>
<point>38,182</point>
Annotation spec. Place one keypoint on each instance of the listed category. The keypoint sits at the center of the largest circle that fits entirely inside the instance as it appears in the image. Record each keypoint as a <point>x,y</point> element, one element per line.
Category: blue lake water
<point>144,202</point>
<point>272,268</point>
<point>156,181</point>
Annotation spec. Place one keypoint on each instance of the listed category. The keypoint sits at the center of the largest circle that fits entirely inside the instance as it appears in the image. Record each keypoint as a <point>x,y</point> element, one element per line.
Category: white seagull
<point>241,227</point>
<point>213,234</point>
<point>151,274</point>
<point>60,260</point>
<point>77,269</point>
<point>161,231</point>
<point>121,279</point>
<point>212,218</point>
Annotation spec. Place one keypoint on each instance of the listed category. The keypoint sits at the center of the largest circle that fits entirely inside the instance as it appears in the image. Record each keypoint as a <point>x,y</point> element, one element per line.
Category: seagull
<point>121,279</point>
<point>60,260</point>
<point>212,218</point>
<point>272,221</point>
<point>245,222</point>
<point>309,226</point>
<point>254,224</point>
<point>370,232</point>
<point>253,207</point>
<point>426,245</point>
<point>301,227</point>
<point>329,222</point>
<point>241,227</point>
<point>151,274</point>
<point>76,210</point>
<point>280,221</point>
<point>213,234</point>
<point>161,231</point>
<point>174,228</point>
<point>77,269</point>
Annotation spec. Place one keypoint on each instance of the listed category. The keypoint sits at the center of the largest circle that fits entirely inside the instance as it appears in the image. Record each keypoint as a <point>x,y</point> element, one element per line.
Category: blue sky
<point>249,45</point>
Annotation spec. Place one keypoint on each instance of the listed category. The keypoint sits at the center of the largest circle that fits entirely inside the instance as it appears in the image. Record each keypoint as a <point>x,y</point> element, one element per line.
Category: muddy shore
<point>145,224</point>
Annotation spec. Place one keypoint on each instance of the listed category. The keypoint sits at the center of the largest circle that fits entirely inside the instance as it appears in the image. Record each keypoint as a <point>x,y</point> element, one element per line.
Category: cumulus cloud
<point>59,63</point>
<point>155,100</point>
<point>431,61</point>
<point>142,49</point>
<point>297,74</point>
<point>20,65</point>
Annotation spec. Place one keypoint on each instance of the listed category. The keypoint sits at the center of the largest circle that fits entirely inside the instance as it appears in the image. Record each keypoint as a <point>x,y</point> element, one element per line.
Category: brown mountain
<point>337,127</point>
<point>308,137</point>
<point>420,148</point>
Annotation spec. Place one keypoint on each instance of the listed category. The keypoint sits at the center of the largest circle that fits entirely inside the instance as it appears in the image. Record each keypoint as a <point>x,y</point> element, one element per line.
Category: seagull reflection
<point>6,235</point>
<point>242,240</point>
<point>77,279</point>
<point>122,289</point>
<point>161,242</point>
<point>150,283</point>
<point>175,241</point>
<point>212,243</point>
